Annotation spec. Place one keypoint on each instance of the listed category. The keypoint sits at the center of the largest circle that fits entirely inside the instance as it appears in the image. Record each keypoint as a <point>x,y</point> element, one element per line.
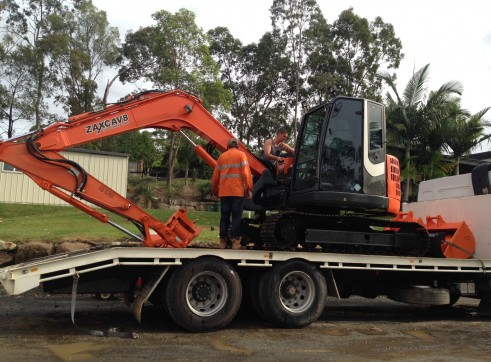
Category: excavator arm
<point>37,155</point>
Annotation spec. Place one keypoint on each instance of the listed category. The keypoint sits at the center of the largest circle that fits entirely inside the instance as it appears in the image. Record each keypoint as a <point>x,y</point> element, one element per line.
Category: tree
<point>361,49</point>
<point>85,45</point>
<point>187,157</point>
<point>412,116</point>
<point>15,94</point>
<point>290,20</point>
<point>173,54</point>
<point>27,25</point>
<point>323,79</point>
<point>465,132</point>
<point>255,75</point>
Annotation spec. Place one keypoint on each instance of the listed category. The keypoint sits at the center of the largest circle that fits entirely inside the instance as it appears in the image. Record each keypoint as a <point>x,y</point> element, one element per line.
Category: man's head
<point>281,134</point>
<point>233,143</point>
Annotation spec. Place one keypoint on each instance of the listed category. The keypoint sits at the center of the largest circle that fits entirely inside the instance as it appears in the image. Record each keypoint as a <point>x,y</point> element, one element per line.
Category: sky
<point>453,36</point>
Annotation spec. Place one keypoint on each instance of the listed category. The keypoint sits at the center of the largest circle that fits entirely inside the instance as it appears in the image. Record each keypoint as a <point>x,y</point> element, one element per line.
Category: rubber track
<point>349,223</point>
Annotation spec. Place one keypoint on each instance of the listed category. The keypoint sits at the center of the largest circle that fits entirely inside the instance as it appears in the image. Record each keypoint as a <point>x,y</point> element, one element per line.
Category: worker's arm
<point>288,148</point>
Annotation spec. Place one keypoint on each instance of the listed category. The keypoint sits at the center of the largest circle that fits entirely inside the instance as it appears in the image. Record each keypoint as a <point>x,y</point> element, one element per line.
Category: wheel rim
<point>206,294</point>
<point>297,292</point>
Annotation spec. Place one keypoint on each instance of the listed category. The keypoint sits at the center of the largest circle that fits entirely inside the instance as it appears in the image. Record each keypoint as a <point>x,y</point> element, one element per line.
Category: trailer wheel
<point>293,294</point>
<point>203,295</point>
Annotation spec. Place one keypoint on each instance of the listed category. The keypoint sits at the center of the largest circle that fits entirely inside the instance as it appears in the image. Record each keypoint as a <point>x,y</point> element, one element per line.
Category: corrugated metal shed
<point>110,168</point>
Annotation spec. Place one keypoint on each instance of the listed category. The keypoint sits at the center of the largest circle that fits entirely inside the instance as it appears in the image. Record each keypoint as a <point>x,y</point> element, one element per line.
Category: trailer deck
<point>17,279</point>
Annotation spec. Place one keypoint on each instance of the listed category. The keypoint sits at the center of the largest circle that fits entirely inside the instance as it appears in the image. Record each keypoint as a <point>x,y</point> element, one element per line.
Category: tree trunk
<point>186,175</point>
<point>457,166</point>
<point>39,92</point>
<point>109,84</point>
<point>297,96</point>
<point>173,149</point>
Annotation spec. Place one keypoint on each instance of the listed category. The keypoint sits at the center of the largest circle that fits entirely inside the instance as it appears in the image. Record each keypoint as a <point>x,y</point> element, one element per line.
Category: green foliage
<point>173,54</point>
<point>254,75</point>
<point>141,146</point>
<point>465,132</point>
<point>143,194</point>
<point>416,120</point>
<point>291,20</point>
<point>349,55</point>
<point>361,48</point>
<point>205,190</point>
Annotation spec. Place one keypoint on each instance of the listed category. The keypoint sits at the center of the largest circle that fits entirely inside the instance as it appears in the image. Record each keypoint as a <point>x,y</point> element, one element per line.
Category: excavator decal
<point>107,124</point>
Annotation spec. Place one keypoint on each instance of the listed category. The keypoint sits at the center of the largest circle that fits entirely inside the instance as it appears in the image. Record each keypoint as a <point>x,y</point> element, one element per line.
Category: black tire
<point>255,283</point>
<point>203,295</point>
<point>455,293</point>
<point>293,294</point>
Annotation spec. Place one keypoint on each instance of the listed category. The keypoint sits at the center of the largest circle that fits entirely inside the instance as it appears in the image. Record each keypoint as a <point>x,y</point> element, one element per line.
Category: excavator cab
<point>340,160</point>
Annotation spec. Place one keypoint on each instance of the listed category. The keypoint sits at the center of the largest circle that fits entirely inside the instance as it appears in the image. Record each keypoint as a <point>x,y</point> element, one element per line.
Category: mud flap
<point>332,287</point>
<point>145,292</point>
<point>111,332</point>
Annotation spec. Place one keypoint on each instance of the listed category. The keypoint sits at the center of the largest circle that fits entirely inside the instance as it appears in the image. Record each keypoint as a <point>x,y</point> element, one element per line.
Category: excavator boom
<point>37,155</point>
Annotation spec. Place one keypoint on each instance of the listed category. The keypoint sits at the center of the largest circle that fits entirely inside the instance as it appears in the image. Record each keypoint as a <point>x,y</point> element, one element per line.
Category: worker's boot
<point>223,243</point>
<point>236,243</point>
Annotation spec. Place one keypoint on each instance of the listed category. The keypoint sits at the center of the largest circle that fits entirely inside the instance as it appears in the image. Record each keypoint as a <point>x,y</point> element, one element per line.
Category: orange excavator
<point>329,196</point>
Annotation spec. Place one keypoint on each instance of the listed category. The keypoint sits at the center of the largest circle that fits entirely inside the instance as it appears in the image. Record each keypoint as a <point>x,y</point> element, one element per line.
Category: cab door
<point>305,175</point>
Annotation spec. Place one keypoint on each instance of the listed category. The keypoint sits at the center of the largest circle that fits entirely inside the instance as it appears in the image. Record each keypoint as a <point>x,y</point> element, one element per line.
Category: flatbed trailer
<point>202,289</point>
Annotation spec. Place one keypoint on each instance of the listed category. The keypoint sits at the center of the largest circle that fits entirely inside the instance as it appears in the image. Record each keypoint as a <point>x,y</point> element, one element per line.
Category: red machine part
<point>458,241</point>
<point>393,184</point>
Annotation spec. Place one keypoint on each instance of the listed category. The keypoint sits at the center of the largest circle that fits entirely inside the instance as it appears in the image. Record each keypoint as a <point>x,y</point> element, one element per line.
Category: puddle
<point>82,351</point>
<point>420,334</point>
<point>221,345</point>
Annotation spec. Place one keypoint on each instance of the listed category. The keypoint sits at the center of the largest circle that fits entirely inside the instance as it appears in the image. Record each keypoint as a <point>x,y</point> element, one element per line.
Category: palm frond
<point>415,90</point>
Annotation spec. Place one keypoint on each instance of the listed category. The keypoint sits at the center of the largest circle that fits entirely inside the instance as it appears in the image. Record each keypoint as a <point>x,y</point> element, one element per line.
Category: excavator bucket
<point>456,240</point>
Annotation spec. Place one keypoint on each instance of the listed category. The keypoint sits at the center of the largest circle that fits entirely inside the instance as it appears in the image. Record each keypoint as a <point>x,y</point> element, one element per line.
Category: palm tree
<point>414,115</point>
<point>429,158</point>
<point>465,132</point>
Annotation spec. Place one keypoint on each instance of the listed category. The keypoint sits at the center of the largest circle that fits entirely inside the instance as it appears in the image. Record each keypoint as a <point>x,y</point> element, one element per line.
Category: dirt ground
<point>37,327</point>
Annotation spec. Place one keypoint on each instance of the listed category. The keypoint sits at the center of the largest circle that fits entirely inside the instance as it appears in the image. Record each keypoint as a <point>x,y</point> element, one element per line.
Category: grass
<point>23,223</point>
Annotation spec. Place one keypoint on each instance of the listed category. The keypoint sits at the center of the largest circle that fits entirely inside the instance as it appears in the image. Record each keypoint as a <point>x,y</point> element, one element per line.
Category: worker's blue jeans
<point>231,206</point>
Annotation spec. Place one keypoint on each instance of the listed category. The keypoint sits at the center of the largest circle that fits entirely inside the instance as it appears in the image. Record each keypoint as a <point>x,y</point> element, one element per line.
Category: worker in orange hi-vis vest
<point>232,181</point>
